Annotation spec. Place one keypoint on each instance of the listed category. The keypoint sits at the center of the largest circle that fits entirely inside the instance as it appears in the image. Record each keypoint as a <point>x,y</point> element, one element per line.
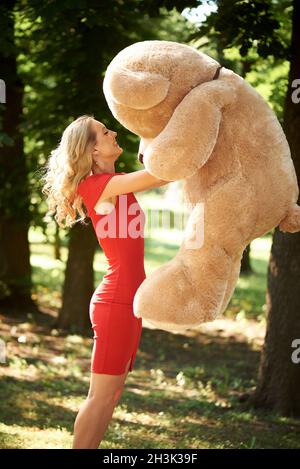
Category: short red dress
<point>120,233</point>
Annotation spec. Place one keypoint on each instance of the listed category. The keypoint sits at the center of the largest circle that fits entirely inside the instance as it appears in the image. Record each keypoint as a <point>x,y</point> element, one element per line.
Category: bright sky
<point>198,15</point>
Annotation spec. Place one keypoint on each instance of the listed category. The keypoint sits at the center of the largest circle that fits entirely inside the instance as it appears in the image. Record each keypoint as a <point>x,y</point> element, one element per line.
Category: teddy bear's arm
<point>187,141</point>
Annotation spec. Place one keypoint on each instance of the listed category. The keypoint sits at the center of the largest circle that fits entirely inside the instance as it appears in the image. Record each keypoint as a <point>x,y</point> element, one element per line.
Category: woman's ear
<point>95,152</point>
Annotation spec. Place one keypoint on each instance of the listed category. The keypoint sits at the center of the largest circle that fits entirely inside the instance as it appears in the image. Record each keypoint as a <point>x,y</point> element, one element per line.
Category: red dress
<point>120,233</point>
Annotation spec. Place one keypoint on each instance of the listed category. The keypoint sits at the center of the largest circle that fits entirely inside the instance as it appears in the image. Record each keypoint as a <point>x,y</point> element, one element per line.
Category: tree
<point>15,269</point>
<point>279,378</point>
<point>79,280</point>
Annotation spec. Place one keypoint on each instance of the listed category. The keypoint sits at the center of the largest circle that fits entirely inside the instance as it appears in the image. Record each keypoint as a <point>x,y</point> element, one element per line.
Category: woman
<point>81,170</point>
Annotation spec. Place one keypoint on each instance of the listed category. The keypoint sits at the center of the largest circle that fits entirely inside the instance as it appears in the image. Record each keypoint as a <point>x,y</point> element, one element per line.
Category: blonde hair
<point>67,165</point>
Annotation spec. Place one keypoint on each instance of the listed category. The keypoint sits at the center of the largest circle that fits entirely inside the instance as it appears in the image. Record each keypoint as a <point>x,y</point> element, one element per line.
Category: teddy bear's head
<point>146,81</point>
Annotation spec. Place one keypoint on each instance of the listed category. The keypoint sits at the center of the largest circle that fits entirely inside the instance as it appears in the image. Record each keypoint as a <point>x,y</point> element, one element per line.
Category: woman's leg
<point>96,412</point>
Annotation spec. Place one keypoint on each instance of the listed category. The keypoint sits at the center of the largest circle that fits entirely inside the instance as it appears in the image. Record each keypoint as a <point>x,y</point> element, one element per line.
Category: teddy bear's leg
<point>186,291</point>
<point>194,286</point>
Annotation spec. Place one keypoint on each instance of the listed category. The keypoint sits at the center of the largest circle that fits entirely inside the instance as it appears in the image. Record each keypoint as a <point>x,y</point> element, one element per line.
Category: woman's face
<point>105,147</point>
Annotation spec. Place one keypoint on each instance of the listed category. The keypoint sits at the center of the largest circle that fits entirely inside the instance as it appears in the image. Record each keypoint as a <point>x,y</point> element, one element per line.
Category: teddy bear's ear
<point>137,90</point>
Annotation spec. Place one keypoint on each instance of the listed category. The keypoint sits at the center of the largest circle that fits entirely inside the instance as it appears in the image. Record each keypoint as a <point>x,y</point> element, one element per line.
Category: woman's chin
<point>119,151</point>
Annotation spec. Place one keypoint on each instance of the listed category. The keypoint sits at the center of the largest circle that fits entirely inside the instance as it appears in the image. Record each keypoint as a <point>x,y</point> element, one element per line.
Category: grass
<point>184,391</point>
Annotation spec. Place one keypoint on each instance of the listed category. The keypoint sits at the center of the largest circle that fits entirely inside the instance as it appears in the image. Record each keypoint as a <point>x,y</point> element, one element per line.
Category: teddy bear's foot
<point>186,291</point>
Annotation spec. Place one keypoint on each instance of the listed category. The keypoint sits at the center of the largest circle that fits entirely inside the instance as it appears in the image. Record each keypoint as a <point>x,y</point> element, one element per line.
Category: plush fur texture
<point>223,139</point>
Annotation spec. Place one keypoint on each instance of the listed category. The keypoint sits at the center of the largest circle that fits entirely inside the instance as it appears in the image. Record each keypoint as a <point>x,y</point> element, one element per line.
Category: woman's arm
<point>136,181</point>
<point>157,184</point>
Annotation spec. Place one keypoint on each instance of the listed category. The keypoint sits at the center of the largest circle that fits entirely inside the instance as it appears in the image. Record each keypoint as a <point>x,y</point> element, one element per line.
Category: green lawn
<point>184,389</point>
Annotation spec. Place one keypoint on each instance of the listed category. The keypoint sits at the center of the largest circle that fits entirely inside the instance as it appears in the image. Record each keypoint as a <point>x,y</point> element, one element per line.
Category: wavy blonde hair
<point>67,165</point>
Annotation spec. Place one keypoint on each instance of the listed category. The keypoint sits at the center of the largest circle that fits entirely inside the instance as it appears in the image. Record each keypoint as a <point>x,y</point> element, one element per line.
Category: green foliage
<point>251,25</point>
<point>270,79</point>
<point>64,49</point>
<point>253,39</point>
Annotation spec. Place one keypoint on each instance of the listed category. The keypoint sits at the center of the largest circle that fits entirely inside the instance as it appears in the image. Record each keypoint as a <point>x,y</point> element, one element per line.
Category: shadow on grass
<point>26,405</point>
<point>187,386</point>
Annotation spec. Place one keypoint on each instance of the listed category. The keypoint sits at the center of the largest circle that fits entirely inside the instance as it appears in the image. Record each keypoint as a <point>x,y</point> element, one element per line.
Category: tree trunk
<point>15,269</point>
<point>278,385</point>
<point>79,279</point>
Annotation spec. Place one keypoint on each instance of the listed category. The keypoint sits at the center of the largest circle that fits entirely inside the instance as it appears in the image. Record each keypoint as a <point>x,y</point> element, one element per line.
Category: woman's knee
<point>100,403</point>
<point>107,388</point>
<point>104,400</point>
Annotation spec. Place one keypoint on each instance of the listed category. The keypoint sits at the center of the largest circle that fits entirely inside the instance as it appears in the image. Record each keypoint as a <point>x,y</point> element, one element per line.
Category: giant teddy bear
<point>204,124</point>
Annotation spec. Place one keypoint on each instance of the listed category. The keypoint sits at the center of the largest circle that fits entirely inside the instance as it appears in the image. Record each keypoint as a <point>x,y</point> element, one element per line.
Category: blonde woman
<point>81,173</point>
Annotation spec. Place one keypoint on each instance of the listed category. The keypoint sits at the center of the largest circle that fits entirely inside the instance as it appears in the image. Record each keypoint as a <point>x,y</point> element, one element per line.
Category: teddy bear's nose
<point>141,156</point>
